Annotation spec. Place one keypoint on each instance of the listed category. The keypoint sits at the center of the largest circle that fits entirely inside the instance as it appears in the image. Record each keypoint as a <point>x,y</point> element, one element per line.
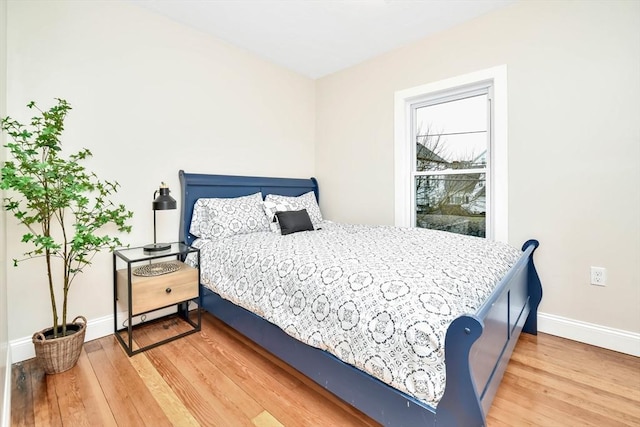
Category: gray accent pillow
<point>294,221</point>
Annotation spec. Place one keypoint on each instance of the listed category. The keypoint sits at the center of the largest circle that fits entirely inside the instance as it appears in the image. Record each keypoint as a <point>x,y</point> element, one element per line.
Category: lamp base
<point>156,247</point>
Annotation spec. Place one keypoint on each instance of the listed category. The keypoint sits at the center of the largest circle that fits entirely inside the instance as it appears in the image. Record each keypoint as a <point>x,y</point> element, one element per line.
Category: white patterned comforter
<point>380,298</point>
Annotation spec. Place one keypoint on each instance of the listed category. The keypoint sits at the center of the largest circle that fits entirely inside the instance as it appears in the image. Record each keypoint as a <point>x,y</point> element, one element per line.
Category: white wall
<point>5,362</point>
<point>574,141</point>
<point>149,97</point>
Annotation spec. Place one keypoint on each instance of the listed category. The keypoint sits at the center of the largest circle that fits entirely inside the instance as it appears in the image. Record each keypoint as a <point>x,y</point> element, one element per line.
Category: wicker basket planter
<point>57,355</point>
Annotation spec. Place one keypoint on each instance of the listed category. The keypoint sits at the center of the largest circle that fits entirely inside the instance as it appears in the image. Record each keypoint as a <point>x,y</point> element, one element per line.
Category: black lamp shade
<point>164,201</point>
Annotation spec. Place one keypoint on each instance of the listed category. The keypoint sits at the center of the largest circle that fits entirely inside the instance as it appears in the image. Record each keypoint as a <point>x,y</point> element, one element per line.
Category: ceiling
<point>319,37</point>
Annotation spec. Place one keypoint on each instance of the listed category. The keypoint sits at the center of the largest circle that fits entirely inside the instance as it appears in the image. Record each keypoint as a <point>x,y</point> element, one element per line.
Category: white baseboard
<point>22,348</point>
<point>589,333</point>
<point>6,404</point>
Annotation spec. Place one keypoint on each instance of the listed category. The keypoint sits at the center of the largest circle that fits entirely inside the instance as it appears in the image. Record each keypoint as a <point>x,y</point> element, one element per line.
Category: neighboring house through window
<point>450,155</point>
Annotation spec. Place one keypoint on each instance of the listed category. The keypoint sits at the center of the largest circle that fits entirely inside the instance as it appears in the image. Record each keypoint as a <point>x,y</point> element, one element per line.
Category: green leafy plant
<point>62,205</point>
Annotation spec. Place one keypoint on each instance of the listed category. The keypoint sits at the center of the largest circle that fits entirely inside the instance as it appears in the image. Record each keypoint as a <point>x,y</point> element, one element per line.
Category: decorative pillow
<point>294,221</point>
<point>224,217</point>
<point>276,203</point>
<point>271,208</point>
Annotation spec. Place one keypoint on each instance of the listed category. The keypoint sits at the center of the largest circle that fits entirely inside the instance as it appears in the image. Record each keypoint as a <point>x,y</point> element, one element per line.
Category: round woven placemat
<point>156,269</point>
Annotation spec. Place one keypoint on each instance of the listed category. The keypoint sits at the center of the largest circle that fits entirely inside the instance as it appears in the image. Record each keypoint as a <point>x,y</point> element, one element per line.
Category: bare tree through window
<point>450,171</point>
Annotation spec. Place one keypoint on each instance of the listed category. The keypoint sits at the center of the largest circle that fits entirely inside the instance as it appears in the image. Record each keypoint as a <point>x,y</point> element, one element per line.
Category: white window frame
<point>498,203</point>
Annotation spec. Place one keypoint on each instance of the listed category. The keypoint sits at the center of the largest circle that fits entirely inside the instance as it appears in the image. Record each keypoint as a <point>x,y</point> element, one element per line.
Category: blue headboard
<point>195,186</point>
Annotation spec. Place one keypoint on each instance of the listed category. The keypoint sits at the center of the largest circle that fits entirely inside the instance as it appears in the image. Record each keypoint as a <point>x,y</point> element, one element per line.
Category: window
<point>451,141</point>
<point>450,155</point>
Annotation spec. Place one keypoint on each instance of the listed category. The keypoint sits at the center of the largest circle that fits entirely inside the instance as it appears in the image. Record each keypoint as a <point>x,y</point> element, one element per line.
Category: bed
<point>477,346</point>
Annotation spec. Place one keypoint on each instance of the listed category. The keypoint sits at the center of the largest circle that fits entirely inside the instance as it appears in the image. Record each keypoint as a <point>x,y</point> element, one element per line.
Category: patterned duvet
<point>380,298</point>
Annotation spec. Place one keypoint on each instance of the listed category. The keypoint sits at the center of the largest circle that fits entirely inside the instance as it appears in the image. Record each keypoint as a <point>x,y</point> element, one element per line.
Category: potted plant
<point>64,207</point>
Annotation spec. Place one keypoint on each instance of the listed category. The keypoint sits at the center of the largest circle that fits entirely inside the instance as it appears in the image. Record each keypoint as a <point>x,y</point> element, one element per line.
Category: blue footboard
<point>478,347</point>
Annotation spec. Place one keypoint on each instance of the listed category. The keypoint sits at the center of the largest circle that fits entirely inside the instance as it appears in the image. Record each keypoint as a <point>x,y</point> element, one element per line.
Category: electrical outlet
<point>598,276</point>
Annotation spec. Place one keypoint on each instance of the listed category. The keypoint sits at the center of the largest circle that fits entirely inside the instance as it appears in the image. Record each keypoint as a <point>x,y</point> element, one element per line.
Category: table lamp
<point>162,201</point>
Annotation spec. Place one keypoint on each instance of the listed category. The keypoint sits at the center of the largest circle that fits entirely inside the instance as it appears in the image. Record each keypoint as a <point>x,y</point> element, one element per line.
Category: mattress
<point>379,298</point>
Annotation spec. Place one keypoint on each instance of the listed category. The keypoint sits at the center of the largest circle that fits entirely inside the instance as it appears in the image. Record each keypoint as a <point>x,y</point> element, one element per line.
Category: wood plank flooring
<point>219,378</point>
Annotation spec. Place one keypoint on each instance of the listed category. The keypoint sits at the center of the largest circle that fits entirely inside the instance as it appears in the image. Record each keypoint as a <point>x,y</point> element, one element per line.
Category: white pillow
<point>271,208</point>
<point>224,217</point>
<point>276,203</point>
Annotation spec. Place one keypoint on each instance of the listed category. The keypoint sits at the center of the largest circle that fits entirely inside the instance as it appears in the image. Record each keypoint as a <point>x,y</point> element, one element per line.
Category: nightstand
<point>152,287</point>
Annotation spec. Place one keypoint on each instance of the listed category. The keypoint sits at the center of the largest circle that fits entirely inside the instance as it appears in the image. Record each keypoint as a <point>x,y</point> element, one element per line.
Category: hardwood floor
<point>219,378</point>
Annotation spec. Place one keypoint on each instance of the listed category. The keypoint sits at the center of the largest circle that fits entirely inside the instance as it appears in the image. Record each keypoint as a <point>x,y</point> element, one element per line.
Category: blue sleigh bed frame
<point>478,346</point>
